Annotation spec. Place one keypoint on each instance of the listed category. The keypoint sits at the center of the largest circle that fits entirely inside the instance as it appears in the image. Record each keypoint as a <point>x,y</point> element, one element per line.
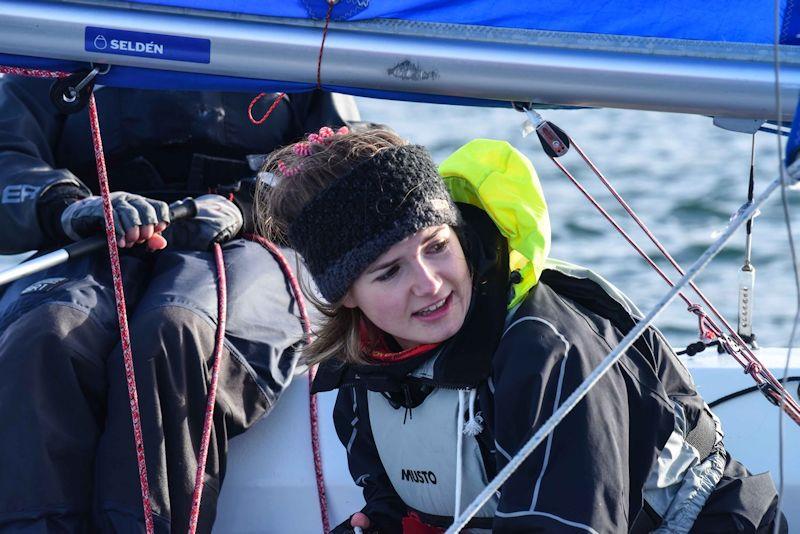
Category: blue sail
<point>739,21</point>
<point>714,57</point>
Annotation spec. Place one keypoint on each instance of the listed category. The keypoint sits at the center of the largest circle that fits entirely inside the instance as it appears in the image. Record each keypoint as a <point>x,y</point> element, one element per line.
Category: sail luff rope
<point>598,372</point>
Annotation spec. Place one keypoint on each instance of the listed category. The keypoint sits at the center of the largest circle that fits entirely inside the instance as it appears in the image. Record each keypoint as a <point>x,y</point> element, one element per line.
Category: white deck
<point>270,486</point>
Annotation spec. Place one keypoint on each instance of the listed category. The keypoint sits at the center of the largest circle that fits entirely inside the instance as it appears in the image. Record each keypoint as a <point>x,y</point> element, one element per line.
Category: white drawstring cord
<point>459,447</point>
<point>473,427</point>
<point>475,424</point>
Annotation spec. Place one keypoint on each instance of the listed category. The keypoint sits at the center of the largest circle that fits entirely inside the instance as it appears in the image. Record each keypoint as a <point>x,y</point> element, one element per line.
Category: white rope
<point>569,404</point>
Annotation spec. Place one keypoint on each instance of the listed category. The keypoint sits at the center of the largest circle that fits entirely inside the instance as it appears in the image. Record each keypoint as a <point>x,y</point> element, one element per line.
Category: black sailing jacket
<point>160,144</point>
<point>590,474</point>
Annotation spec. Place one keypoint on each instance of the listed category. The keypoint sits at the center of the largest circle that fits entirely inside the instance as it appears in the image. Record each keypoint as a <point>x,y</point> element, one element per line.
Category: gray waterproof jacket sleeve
<point>29,127</point>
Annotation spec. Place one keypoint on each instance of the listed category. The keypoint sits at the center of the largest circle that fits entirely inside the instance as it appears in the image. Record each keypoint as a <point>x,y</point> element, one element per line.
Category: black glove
<point>218,220</point>
<point>85,217</point>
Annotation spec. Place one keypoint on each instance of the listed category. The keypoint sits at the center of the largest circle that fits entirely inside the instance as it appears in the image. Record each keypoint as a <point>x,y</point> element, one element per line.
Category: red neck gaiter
<point>375,344</point>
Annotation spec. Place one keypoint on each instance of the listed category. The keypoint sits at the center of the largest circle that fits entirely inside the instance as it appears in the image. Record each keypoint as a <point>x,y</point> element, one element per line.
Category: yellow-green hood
<point>497,178</point>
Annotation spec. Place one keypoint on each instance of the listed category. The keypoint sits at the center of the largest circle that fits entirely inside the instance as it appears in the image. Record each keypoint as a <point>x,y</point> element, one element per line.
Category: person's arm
<point>384,508</point>
<point>576,480</point>
<point>32,192</point>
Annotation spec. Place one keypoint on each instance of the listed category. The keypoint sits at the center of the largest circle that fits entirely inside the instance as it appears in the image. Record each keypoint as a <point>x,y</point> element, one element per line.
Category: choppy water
<point>684,177</point>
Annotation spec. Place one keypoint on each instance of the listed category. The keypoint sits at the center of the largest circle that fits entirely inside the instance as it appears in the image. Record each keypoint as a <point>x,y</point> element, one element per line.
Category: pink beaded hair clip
<point>303,148</point>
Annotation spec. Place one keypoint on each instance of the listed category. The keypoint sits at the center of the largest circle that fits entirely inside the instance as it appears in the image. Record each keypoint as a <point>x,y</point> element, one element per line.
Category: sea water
<point>683,176</point>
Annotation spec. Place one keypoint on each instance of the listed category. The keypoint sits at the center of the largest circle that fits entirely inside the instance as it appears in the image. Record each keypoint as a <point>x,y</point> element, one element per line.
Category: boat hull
<point>271,487</point>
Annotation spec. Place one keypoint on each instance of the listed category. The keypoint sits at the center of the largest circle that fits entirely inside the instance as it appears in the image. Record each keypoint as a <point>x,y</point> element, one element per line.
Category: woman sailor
<point>451,340</point>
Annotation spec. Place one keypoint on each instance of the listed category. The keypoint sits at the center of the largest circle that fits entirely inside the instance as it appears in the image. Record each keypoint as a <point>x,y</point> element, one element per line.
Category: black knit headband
<point>362,214</point>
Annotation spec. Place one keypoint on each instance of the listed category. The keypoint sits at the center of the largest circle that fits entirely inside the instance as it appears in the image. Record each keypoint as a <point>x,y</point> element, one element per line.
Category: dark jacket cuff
<point>51,205</point>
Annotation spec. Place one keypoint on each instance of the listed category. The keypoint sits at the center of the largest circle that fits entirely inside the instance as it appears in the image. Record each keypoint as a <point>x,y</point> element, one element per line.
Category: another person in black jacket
<point>67,456</point>
<point>451,339</point>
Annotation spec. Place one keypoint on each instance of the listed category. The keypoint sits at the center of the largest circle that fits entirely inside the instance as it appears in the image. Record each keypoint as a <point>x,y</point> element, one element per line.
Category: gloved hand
<point>137,219</point>
<point>218,220</point>
<point>242,193</point>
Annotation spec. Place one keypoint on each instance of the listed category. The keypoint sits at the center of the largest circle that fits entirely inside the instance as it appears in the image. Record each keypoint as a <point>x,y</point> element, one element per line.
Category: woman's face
<point>419,290</point>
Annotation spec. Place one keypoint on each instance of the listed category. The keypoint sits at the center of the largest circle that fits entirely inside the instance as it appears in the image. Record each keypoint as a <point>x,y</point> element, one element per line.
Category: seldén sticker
<point>149,45</point>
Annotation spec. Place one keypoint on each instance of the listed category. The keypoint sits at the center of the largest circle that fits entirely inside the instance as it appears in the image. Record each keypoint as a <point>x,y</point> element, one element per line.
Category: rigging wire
<point>750,189</point>
<point>556,143</point>
<point>692,307</point>
<point>747,274</point>
<point>793,256</point>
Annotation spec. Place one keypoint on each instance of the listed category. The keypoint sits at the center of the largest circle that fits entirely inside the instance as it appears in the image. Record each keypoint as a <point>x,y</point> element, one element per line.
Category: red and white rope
<point>269,111</point>
<point>119,294</point>
<point>202,455</point>
<point>122,317</point>
<point>312,406</point>
<point>33,73</point>
<point>222,304</point>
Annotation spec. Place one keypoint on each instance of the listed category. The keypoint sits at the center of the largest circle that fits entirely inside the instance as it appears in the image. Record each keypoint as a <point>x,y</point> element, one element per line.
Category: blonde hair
<point>303,170</point>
